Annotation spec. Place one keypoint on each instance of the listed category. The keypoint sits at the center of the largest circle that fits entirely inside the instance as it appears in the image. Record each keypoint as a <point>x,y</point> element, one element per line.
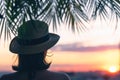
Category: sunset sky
<point>91,50</point>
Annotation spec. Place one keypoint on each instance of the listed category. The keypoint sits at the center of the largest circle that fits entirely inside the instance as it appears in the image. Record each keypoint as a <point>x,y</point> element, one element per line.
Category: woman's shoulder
<point>59,75</point>
<point>5,77</point>
<point>9,76</point>
<point>41,75</point>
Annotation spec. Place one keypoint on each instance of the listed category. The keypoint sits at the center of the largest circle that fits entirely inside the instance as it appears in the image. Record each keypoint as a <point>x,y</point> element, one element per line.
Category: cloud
<point>80,47</point>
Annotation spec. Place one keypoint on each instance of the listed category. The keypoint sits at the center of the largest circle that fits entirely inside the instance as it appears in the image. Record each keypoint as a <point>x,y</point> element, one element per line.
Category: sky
<point>92,50</point>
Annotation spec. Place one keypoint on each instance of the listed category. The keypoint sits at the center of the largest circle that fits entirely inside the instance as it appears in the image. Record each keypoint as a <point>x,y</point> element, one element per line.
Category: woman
<point>31,45</point>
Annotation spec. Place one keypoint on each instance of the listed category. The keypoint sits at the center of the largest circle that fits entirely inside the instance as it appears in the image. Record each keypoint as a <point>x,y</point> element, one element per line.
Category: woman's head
<point>31,44</point>
<point>33,37</point>
<point>32,62</point>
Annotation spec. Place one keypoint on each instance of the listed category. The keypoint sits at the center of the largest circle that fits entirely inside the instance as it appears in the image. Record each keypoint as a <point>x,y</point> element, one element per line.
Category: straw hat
<point>33,37</point>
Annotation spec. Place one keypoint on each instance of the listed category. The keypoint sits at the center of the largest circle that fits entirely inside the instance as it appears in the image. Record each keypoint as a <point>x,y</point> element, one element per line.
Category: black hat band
<point>33,41</point>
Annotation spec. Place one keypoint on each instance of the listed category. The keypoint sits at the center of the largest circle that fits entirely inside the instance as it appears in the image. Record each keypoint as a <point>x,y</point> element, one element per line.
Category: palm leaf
<point>75,13</point>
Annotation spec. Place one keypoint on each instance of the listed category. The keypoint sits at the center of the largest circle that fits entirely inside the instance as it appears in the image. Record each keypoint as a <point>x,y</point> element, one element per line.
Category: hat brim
<point>15,47</point>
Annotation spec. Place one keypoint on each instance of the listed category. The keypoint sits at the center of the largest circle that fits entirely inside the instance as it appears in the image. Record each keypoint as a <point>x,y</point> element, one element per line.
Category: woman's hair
<point>31,62</point>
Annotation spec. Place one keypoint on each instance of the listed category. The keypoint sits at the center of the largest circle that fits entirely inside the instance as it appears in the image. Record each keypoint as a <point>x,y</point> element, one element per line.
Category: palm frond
<point>116,7</point>
<point>100,8</point>
<point>74,13</point>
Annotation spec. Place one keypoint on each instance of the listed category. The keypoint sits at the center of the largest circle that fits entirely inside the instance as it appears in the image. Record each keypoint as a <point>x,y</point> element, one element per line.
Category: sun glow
<point>113,69</point>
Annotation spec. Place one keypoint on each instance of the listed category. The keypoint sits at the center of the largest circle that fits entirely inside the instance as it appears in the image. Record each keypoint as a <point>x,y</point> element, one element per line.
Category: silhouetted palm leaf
<point>71,12</point>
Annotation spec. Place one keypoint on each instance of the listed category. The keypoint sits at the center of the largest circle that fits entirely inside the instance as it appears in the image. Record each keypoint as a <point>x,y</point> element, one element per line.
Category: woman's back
<point>39,75</point>
<point>31,45</point>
